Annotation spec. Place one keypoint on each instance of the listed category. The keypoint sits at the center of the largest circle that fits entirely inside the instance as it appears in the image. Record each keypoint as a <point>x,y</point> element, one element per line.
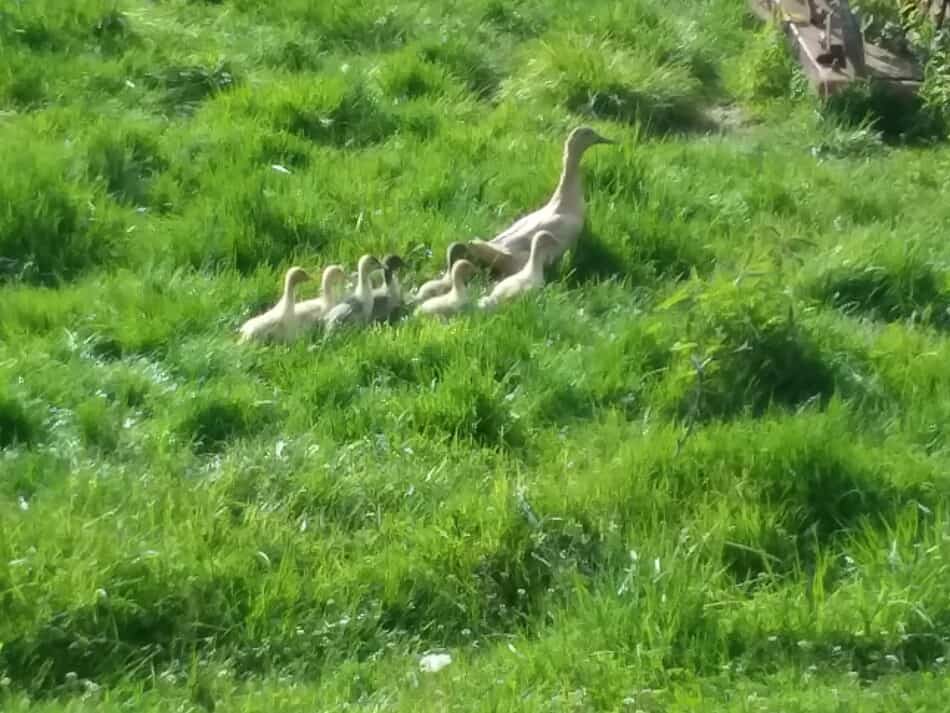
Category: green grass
<point>704,469</point>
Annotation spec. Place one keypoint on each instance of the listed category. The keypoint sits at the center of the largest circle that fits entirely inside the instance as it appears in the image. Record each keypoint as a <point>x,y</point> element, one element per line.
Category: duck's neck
<point>535,265</point>
<point>363,290</point>
<point>287,300</point>
<point>329,294</point>
<point>392,284</point>
<point>569,195</point>
<point>458,287</point>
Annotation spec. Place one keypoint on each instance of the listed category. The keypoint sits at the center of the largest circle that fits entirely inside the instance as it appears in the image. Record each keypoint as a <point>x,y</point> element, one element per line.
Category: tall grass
<point>705,466</point>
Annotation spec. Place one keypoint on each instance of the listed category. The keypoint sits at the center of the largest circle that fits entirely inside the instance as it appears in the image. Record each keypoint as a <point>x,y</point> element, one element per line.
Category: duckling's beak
<point>603,140</point>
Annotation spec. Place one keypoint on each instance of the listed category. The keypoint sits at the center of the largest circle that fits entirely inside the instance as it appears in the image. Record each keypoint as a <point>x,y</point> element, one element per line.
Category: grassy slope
<point>553,493</point>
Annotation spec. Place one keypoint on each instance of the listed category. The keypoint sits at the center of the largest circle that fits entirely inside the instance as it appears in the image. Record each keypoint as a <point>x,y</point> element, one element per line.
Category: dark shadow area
<point>871,656</point>
<point>900,119</point>
<point>466,413</point>
<point>504,18</point>
<point>656,115</point>
<point>18,426</point>
<point>915,294</point>
<point>467,64</point>
<point>214,423</point>
<point>143,622</point>
<point>590,259</point>
<point>762,362</point>
<point>126,163</point>
<point>185,87</point>
<point>357,120</point>
<point>513,583</point>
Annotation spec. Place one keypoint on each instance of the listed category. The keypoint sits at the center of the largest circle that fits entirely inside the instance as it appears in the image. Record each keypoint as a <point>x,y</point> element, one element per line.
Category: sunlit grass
<point>705,466</point>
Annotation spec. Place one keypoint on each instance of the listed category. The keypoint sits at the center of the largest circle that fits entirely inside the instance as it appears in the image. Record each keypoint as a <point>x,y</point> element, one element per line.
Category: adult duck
<point>562,216</point>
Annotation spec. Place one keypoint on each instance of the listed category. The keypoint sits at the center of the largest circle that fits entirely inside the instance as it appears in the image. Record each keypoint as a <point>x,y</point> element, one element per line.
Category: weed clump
<point>479,74</point>
<point>335,110</point>
<point>51,229</point>
<point>185,87</point>
<point>18,426</point>
<point>213,422</point>
<point>767,72</point>
<point>891,283</point>
<point>125,158</point>
<point>599,80</point>
<point>745,354</point>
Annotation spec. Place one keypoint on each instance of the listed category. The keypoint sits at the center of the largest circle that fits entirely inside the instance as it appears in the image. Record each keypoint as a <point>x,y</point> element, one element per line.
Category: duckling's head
<point>542,242</point>
<point>295,276</point>
<point>457,251</point>
<point>391,263</point>
<point>367,264</point>
<point>583,137</point>
<point>462,271</point>
<point>333,276</point>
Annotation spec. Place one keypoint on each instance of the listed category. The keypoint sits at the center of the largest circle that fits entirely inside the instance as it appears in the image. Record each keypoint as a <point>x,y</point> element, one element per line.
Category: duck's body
<point>562,216</point>
<point>357,308</point>
<point>529,277</point>
<point>387,299</point>
<point>280,322</point>
<point>456,299</point>
<point>311,312</point>
<point>441,285</point>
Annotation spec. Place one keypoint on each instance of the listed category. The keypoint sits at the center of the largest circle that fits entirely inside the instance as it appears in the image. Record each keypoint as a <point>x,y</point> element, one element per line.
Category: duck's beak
<point>604,140</point>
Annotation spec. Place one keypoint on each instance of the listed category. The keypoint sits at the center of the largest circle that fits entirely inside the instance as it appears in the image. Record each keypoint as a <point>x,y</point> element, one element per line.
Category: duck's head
<point>295,276</point>
<point>583,137</point>
<point>333,276</point>
<point>457,251</point>
<point>542,242</point>
<point>367,264</point>
<point>462,271</point>
<point>391,263</point>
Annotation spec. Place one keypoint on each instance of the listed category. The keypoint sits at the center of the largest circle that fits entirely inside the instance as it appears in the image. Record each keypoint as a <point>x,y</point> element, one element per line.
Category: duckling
<point>442,284</point>
<point>562,215</point>
<point>358,307</point>
<point>388,298</point>
<point>530,277</point>
<point>456,299</point>
<point>311,312</point>
<point>280,321</point>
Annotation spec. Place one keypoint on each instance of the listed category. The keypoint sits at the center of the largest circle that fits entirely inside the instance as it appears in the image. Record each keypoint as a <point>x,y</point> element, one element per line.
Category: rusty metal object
<point>826,39</point>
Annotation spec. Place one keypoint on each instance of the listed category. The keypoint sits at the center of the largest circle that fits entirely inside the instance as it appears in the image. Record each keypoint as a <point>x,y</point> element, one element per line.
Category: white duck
<point>358,307</point>
<point>456,299</point>
<point>529,277</point>
<point>441,285</point>
<point>311,312</point>
<point>280,321</point>
<point>562,215</point>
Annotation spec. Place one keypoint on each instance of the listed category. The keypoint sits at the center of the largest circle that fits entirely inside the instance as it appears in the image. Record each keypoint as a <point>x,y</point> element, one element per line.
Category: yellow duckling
<point>442,284</point>
<point>456,299</point>
<point>529,277</point>
<point>311,312</point>
<point>280,322</point>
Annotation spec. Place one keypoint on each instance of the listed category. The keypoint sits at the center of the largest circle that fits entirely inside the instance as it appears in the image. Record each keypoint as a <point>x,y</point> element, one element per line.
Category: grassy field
<point>706,468</point>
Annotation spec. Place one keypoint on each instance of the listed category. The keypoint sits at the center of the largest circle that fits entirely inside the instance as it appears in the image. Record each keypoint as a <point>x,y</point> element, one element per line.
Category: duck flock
<point>516,257</point>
